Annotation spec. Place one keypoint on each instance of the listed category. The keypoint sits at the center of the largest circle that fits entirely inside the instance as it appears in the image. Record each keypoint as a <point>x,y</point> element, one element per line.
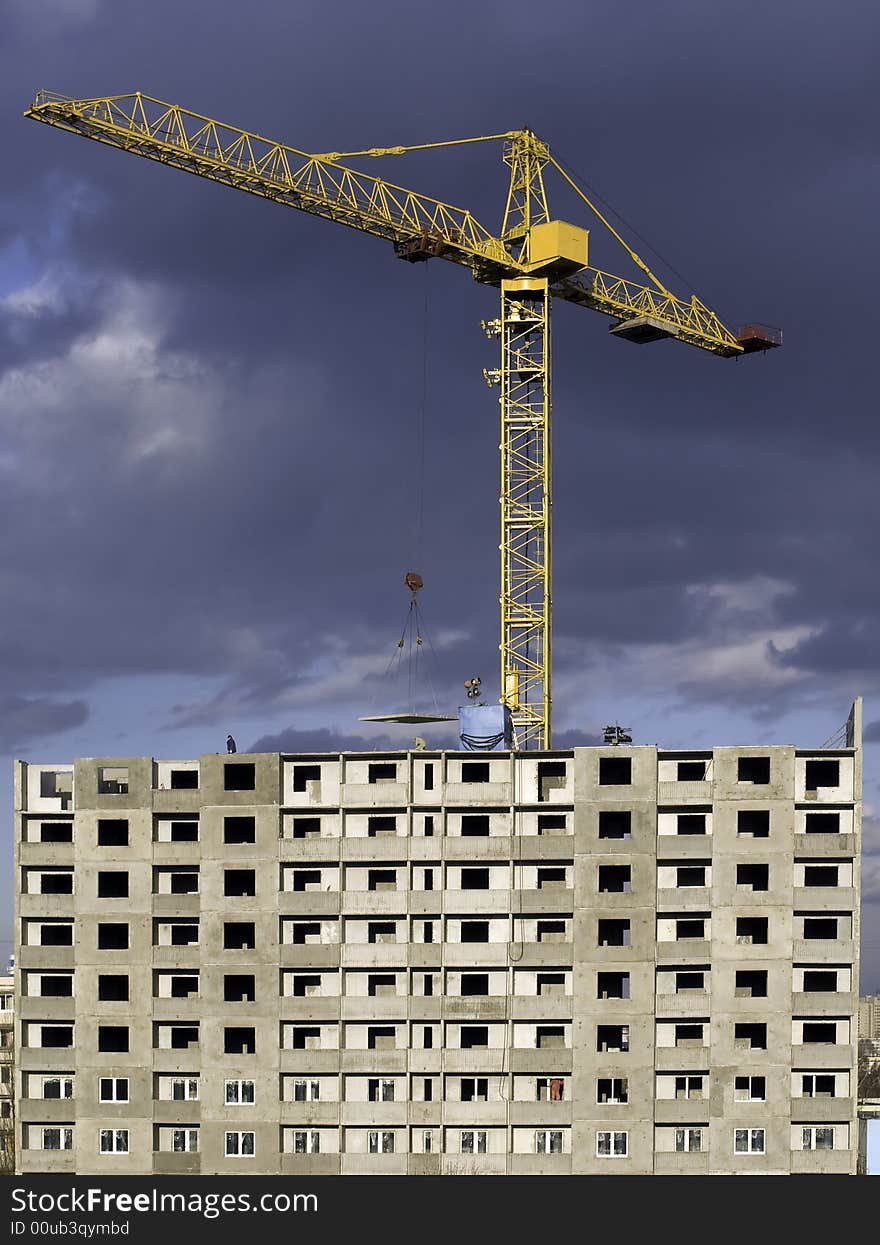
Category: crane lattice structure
<point>533,260</point>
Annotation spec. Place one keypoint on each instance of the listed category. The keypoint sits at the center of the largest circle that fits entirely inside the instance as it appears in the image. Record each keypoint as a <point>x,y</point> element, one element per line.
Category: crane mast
<point>533,260</point>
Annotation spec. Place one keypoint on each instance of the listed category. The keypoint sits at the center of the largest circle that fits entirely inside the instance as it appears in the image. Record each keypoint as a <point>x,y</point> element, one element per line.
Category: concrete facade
<point>613,959</point>
<point>7,1070</point>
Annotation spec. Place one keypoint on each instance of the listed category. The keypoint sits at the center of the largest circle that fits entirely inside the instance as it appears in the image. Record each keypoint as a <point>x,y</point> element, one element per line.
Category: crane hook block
<point>413,581</point>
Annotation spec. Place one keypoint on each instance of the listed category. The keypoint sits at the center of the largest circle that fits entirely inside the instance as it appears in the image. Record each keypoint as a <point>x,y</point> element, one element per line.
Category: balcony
<point>309,955</point>
<point>309,903</point>
<point>307,1063</point>
<point>672,1006</point>
<point>822,951</point>
<point>374,955</point>
<point>181,1114</point>
<point>376,903</point>
<point>425,1114</point>
<point>474,1164</point>
<point>365,1007</point>
<point>425,1008</point>
<point>375,1164</point>
<point>687,951</point>
<point>691,1112</point>
<point>425,1062</point>
<point>376,1114</point>
<point>307,851</point>
<point>304,1165</point>
<point>424,1164</point>
<point>166,1163</point>
<point>478,795</point>
<point>675,1058</point>
<point>475,1007</point>
<point>674,793</point>
<point>824,898</point>
<point>540,1114</point>
<point>168,906</point>
<point>46,854</point>
<point>689,1164</point>
<point>553,899</point>
<point>179,800</point>
<point>557,1058</point>
<point>476,849</point>
<point>186,956</point>
<point>425,954</point>
<point>815,1056</point>
<point>485,1061</point>
<point>476,955</point>
<point>540,1164</point>
<point>387,1062</point>
<point>684,899</point>
<point>477,1114</point>
<point>309,1114</point>
<point>824,846</point>
<point>541,954</point>
<point>820,1003</point>
<point>821,1110</point>
<point>47,1009</point>
<point>354,795</point>
<point>827,1162</point>
<point>545,846</point>
<point>310,1007</point>
<point>391,847</point>
<point>541,1007</point>
<point>46,1162</point>
<point>476,902</point>
<point>47,906</point>
<point>47,958</point>
<point>47,1110</point>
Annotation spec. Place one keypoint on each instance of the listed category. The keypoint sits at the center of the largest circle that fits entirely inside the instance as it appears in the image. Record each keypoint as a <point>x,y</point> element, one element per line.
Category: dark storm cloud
<point>871,733</point>
<point>23,720</point>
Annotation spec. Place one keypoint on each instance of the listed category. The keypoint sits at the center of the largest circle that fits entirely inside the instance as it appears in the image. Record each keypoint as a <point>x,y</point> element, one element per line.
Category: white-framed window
<point>185,1089</point>
<point>818,1085</point>
<point>57,1139</point>
<point>113,1089</point>
<point>114,1141</point>
<point>748,1141</point>
<point>185,1140</point>
<point>612,1145</point>
<point>240,1145</point>
<point>817,1137</point>
<point>689,1087</point>
<point>548,1141</point>
<point>688,1140</point>
<point>473,1141</point>
<point>240,1093</point>
<point>306,1091</point>
<point>380,1090</point>
<point>749,1089</point>
<point>612,1090</point>
<point>57,1087</point>
<point>381,1143</point>
<point>306,1142</point>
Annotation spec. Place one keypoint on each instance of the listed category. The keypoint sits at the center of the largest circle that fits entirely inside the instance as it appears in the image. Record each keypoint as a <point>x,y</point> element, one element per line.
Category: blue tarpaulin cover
<point>485,728</point>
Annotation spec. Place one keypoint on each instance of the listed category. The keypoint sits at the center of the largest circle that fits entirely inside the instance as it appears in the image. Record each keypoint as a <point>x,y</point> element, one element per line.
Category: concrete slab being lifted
<point>642,329</point>
<point>411,718</point>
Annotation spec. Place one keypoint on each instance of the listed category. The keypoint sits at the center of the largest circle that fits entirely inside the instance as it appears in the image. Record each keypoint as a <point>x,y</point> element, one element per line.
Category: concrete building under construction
<point>606,959</point>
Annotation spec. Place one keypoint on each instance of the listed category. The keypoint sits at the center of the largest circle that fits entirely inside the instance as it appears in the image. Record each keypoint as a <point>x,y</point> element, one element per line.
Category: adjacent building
<point>613,959</point>
<point>7,1072</point>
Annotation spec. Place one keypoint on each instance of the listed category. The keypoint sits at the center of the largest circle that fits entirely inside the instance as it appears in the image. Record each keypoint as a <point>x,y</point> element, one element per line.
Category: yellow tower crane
<point>533,259</point>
